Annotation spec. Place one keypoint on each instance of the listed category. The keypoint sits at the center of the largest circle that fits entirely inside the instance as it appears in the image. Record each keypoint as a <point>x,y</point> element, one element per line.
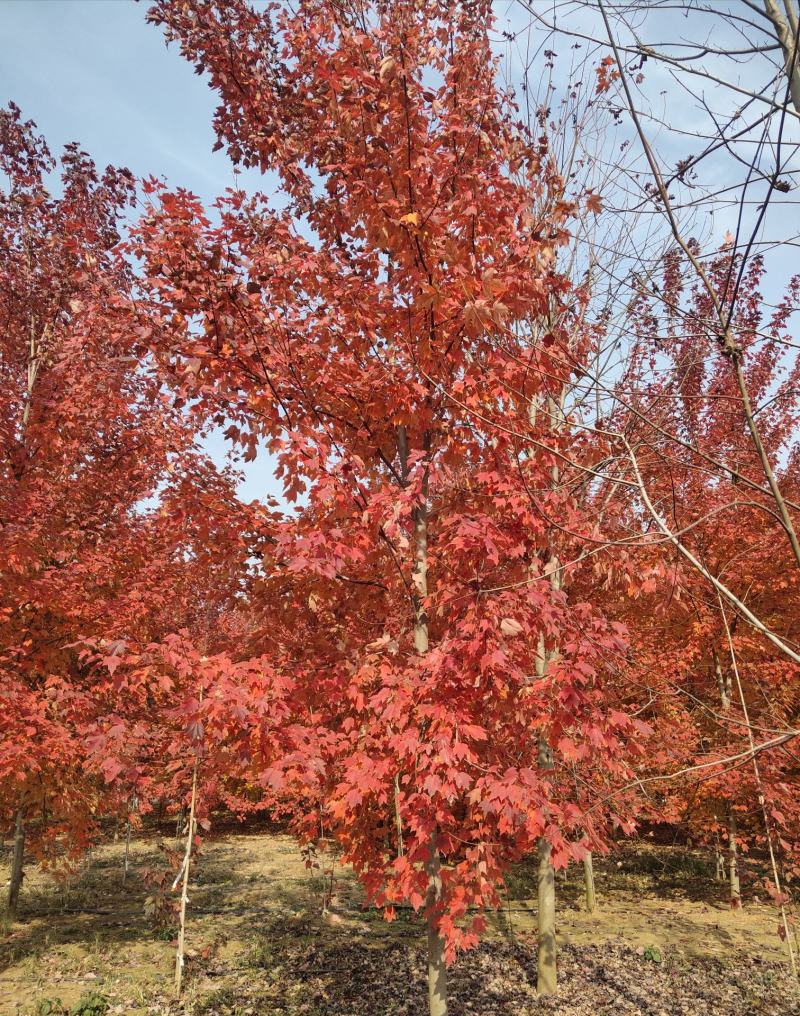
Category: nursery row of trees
<point>534,581</point>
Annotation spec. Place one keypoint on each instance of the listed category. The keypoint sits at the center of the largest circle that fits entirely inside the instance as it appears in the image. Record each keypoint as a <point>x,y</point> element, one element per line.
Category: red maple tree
<point>389,337</point>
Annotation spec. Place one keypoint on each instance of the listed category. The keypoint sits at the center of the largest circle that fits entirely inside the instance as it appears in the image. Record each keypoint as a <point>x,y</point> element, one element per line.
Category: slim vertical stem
<point>509,917</point>
<point>185,886</point>
<point>437,969</point>
<point>397,817</point>
<point>125,866</point>
<point>724,685</point>
<point>719,859</point>
<point>17,861</point>
<point>733,853</point>
<point>588,871</point>
<point>546,971</point>
<point>546,957</point>
<point>546,967</point>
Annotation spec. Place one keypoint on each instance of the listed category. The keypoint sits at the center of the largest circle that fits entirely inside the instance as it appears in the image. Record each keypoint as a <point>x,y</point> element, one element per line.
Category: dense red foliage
<point>473,625</point>
<point>113,527</point>
<point>390,362</point>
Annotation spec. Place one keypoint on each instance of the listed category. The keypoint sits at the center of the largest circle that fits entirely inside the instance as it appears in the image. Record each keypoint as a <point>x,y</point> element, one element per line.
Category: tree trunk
<point>437,969</point>
<point>546,974</point>
<point>546,960</point>
<point>736,895</point>
<point>588,871</point>
<point>397,817</point>
<point>185,888</point>
<point>725,684</point>
<point>126,865</point>
<point>17,860</point>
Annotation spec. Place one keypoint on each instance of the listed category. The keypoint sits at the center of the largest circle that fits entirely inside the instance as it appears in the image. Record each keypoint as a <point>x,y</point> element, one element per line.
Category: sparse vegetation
<point>258,943</point>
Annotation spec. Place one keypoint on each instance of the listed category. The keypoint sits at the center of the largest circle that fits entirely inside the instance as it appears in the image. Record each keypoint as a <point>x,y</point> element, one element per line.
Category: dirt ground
<point>662,942</point>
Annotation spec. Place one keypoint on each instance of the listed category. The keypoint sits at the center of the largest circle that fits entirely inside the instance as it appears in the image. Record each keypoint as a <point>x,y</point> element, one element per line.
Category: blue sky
<point>94,72</point>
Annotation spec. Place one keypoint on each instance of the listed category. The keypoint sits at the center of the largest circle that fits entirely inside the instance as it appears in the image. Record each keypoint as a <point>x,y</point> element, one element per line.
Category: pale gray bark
<point>397,816</point>
<point>718,857</point>
<point>546,972</point>
<point>179,961</point>
<point>588,873</point>
<point>437,969</point>
<point>733,855</point>
<point>786,34</point>
<point>17,865</point>
<point>126,864</point>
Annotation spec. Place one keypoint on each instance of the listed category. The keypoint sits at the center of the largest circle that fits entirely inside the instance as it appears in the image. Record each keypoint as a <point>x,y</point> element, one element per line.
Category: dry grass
<point>254,906</point>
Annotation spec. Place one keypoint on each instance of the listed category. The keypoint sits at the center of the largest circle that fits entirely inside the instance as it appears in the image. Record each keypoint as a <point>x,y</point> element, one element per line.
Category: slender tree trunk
<point>509,916</point>
<point>133,803</point>
<point>546,965</point>
<point>125,866</point>
<point>546,978</point>
<point>588,872</point>
<point>397,818</point>
<point>719,859</point>
<point>736,895</point>
<point>725,685</point>
<point>34,363</point>
<point>185,888</point>
<point>437,969</point>
<point>17,861</point>
<point>546,971</point>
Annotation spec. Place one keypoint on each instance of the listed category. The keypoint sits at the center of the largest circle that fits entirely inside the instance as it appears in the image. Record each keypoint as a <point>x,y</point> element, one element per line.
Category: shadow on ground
<point>661,943</point>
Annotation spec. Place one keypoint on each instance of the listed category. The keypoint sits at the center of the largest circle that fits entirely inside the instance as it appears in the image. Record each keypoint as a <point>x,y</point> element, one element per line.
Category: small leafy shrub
<point>161,905</point>
<point>92,1004</point>
<point>223,1000</point>
<point>50,1007</point>
<point>89,1004</point>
